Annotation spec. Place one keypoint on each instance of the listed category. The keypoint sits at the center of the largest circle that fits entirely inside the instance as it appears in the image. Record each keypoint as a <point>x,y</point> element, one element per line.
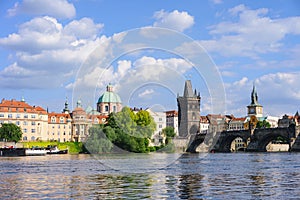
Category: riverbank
<point>73,147</point>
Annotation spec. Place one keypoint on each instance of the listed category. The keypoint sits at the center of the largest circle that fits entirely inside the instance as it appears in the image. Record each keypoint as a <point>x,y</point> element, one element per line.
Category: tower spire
<point>254,98</point>
<point>188,90</point>
<point>66,109</point>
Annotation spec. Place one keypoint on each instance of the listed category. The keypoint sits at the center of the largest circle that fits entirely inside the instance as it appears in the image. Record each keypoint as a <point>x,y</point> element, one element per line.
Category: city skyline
<point>44,44</point>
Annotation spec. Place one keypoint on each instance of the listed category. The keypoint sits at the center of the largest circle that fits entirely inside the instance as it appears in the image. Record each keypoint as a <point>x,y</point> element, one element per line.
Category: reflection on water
<point>216,176</point>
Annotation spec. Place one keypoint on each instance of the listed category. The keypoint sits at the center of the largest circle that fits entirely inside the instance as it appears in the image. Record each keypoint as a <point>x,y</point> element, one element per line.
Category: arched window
<point>53,120</point>
<point>32,138</point>
<point>25,138</point>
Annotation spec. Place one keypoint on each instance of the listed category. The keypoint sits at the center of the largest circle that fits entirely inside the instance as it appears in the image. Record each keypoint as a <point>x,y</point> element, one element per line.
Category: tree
<point>130,131</point>
<point>97,141</point>
<point>263,124</point>
<point>169,132</point>
<point>10,132</point>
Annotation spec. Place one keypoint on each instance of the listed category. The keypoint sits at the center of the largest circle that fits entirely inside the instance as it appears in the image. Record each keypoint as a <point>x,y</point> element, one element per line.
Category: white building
<point>172,120</point>
<point>204,124</point>
<point>160,119</point>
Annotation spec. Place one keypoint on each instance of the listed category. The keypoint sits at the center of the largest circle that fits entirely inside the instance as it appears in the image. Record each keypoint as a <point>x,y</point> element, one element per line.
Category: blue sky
<point>53,49</point>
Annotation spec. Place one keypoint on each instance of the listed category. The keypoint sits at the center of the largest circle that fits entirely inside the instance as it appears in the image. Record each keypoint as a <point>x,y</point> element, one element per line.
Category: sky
<point>53,50</point>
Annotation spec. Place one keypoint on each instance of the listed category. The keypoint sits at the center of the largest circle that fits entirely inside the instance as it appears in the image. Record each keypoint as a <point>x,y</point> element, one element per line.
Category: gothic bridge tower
<point>188,111</point>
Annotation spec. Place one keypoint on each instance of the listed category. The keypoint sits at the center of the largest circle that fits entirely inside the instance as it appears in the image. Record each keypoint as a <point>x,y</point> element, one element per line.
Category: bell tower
<point>255,109</point>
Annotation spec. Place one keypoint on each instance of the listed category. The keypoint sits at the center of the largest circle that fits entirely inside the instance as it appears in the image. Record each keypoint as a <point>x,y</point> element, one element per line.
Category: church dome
<point>109,96</point>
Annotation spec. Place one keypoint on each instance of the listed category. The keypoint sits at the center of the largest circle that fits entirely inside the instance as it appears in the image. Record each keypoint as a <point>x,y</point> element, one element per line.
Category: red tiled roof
<point>58,116</point>
<point>20,107</point>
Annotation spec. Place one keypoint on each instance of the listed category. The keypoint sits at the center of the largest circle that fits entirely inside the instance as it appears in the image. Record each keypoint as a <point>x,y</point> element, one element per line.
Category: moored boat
<point>35,151</point>
<point>55,150</point>
<point>11,152</point>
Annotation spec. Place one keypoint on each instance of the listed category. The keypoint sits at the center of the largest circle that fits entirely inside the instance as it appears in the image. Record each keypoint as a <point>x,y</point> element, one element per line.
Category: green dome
<point>109,97</point>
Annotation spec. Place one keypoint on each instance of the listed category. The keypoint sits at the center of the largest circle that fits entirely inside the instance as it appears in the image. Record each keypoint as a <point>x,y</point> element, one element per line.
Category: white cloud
<point>55,8</point>
<point>176,20</point>
<point>84,28</point>
<point>146,93</point>
<point>45,45</point>
<point>254,33</point>
<point>277,92</point>
<point>46,33</point>
<point>217,1</point>
<point>16,71</point>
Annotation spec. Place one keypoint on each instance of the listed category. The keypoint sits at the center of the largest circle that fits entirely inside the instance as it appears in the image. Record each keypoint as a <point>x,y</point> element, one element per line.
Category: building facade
<point>188,111</point>
<point>33,120</point>
<point>59,127</point>
<point>159,118</point>
<point>172,120</point>
<point>80,123</point>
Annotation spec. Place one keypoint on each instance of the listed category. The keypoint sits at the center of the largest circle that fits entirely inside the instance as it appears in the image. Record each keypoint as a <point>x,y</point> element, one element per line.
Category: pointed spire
<point>188,90</point>
<point>297,114</point>
<point>254,98</point>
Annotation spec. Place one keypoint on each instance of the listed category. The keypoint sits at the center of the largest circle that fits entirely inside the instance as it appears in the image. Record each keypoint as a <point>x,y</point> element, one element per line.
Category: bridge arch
<point>268,136</point>
<point>226,141</point>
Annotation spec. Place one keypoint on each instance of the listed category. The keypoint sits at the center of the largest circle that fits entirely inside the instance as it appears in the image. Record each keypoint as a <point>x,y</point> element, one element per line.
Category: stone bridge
<point>255,142</point>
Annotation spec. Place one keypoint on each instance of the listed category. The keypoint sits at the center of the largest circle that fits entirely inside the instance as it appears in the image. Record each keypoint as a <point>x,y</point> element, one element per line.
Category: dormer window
<point>53,120</point>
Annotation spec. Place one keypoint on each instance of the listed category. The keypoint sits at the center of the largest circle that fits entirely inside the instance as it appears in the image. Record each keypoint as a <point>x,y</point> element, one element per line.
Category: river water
<point>152,176</point>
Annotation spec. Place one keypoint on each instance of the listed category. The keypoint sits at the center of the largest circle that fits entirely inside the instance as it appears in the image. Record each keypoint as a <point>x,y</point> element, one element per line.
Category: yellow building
<point>33,120</point>
<point>59,127</point>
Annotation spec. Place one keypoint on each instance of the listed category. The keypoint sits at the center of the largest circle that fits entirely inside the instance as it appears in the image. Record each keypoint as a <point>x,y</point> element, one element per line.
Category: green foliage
<point>130,131</point>
<point>169,132</point>
<point>97,141</point>
<point>263,124</point>
<point>10,133</point>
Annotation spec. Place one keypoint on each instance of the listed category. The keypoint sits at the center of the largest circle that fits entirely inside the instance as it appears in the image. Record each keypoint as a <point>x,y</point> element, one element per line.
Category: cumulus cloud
<point>146,93</point>
<point>45,45</point>
<point>55,8</point>
<point>176,20</point>
<point>46,33</point>
<point>253,33</point>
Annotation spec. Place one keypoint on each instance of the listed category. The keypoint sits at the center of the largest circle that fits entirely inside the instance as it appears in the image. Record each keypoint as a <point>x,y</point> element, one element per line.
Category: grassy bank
<point>74,147</point>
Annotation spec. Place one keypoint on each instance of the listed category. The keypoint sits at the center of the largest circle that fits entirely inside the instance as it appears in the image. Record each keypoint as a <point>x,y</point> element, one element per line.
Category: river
<point>152,176</point>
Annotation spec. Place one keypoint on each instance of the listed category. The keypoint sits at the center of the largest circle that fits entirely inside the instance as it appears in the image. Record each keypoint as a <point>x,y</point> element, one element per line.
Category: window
<point>64,133</point>
<point>61,120</point>
<point>33,123</point>
<point>25,130</point>
<point>25,116</point>
<point>33,130</point>
<point>18,116</point>
<point>33,116</point>
<point>9,115</point>
<point>160,126</point>
<point>115,108</point>
<point>53,120</point>
<point>58,133</point>
<point>32,138</point>
<point>106,108</point>
<point>160,119</point>
<point>1,115</point>
<point>25,138</point>
<point>18,123</point>
<point>25,123</point>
